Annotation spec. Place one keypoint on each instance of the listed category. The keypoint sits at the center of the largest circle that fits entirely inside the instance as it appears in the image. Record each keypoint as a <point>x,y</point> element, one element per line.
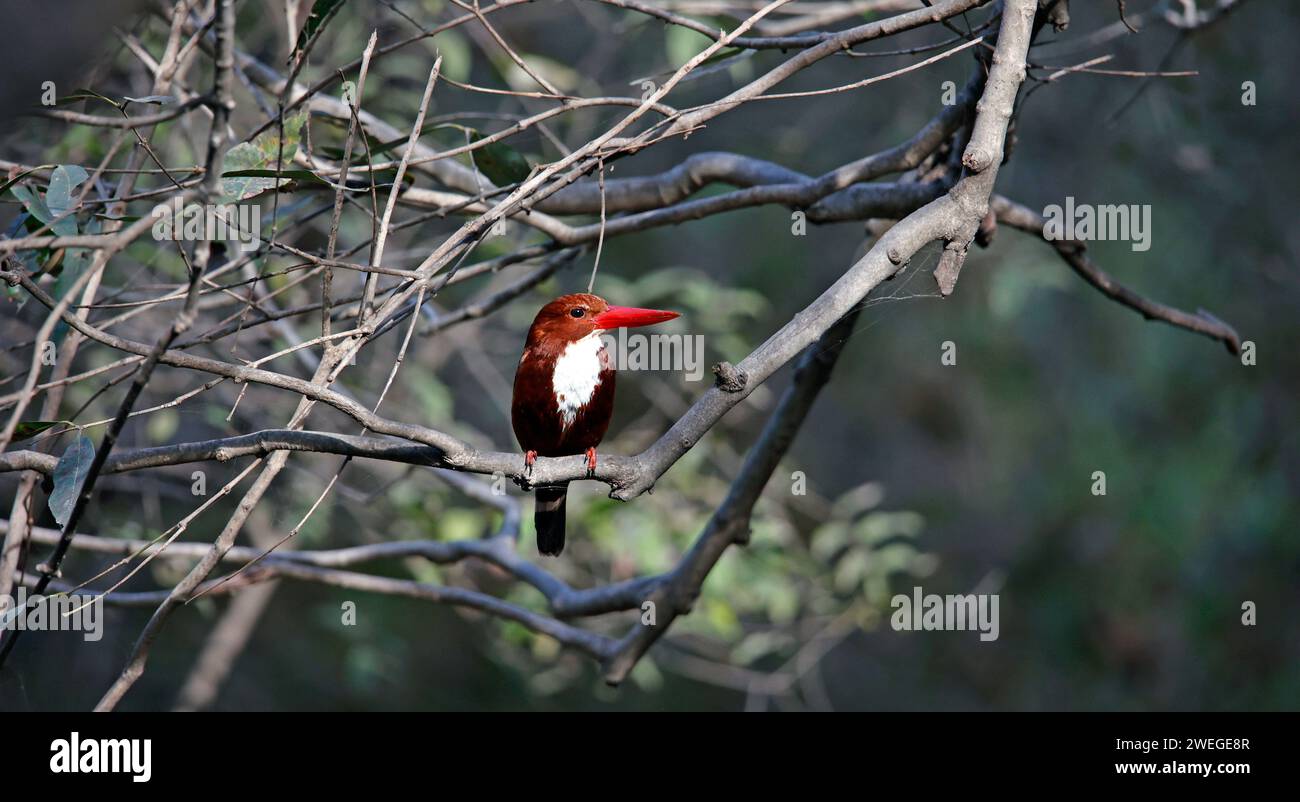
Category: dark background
<point>1129,601</point>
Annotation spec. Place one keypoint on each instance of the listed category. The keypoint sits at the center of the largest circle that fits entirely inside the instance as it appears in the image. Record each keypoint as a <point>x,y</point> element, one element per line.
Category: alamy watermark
<point>77,755</point>
<point>215,222</point>
<point>923,612</point>
<point>675,352</point>
<point>58,613</point>
<point>1085,222</point>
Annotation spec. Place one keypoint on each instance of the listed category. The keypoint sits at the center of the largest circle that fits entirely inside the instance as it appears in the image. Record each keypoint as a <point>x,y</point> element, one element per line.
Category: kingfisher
<point>564,392</point>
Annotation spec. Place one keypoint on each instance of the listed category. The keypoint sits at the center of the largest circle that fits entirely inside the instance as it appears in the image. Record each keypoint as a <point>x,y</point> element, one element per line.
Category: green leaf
<point>647,676</point>
<point>851,569</point>
<point>877,527</point>
<point>861,498</point>
<point>385,178</point>
<point>34,203</point>
<point>322,11</point>
<point>55,208</point>
<point>58,198</point>
<point>460,524</point>
<point>163,425</point>
<point>69,474</point>
<point>79,95</point>
<point>758,645</point>
<point>23,175</point>
<point>30,260</point>
<point>457,57</point>
<point>261,154</point>
<point>829,538</point>
<point>683,44</point>
<point>297,175</point>
<point>269,142</point>
<point>75,262</point>
<point>723,55</point>
<point>31,428</point>
<point>561,76</point>
<point>244,156</point>
<point>501,163</point>
<point>377,147</point>
<point>348,94</point>
<point>722,617</point>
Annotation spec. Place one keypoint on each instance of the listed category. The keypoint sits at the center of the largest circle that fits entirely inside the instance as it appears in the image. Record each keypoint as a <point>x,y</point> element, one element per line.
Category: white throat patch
<point>576,376</point>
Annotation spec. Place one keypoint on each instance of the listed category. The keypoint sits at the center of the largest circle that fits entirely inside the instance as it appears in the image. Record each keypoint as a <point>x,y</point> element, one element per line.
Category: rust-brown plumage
<point>564,392</point>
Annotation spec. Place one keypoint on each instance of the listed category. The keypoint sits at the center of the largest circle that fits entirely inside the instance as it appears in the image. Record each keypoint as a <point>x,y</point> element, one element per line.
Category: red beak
<point>617,317</point>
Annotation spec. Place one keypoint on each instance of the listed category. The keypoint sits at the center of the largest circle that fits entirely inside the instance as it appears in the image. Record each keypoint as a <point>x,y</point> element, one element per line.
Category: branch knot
<point>730,379</point>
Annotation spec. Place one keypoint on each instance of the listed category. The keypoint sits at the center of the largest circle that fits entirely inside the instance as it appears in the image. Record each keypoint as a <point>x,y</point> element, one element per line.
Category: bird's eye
<point>577,311</point>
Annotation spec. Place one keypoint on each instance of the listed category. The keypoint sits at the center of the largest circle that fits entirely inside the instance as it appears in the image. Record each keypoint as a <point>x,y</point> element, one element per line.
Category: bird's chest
<point>579,370</point>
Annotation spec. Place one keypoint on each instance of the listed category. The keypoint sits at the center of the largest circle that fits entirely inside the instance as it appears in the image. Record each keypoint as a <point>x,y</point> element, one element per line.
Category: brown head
<point>571,317</point>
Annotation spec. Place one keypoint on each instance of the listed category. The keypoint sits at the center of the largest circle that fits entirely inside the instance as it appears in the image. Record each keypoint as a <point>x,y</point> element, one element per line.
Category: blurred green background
<point>956,478</point>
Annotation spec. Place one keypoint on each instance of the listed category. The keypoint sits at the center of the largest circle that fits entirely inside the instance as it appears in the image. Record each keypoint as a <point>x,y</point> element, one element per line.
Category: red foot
<point>591,460</point>
<point>529,458</point>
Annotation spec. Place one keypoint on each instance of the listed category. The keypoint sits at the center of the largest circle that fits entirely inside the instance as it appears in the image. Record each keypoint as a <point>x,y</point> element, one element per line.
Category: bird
<point>564,393</point>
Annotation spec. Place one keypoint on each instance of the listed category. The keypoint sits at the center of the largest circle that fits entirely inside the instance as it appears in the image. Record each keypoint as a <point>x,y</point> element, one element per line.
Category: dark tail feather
<point>548,517</point>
